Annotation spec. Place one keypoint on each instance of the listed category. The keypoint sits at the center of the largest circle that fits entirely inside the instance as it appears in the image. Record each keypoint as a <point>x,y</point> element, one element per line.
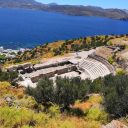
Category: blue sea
<point>21,28</point>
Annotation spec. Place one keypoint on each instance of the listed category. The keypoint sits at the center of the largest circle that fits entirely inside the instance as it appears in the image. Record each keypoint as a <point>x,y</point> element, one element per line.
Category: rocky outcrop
<point>115,124</point>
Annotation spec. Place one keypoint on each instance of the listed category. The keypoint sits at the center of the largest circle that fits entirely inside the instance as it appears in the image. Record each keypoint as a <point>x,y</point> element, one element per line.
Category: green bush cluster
<point>64,93</point>
<point>120,71</point>
<point>97,115</point>
<point>11,117</point>
<point>55,98</point>
<point>15,118</point>
<point>67,91</point>
<point>115,91</point>
<point>8,76</point>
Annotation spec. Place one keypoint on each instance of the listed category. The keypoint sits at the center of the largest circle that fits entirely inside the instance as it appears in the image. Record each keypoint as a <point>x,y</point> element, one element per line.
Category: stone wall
<point>52,73</point>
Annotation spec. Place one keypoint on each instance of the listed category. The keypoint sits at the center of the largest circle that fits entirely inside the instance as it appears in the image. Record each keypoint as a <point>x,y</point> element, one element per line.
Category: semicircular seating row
<point>94,68</point>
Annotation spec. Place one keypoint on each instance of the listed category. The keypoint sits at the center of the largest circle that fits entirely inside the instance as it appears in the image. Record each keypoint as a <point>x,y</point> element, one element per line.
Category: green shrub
<point>28,102</point>
<point>6,76</point>
<point>97,115</point>
<point>54,111</point>
<point>76,112</point>
<point>120,71</point>
<point>111,60</point>
<point>67,91</point>
<point>109,43</point>
<point>115,94</point>
<point>96,86</point>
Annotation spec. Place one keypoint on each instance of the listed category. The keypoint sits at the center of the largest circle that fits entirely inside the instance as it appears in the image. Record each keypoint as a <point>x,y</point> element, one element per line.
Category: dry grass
<point>25,114</point>
<point>55,44</point>
<point>120,41</point>
<point>7,89</point>
<point>94,99</point>
<point>72,122</point>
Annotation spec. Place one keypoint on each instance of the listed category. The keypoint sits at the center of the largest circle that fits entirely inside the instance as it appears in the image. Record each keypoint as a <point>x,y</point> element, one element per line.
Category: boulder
<point>115,124</point>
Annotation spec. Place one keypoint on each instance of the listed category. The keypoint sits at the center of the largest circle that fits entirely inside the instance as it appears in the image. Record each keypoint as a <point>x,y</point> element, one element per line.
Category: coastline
<point>29,29</point>
<point>55,41</point>
<point>79,10</point>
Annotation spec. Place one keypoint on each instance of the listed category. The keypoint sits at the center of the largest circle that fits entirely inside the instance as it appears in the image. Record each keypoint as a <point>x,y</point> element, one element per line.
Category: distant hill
<point>7,2</point>
<point>52,4</point>
<point>126,10</point>
<point>66,9</point>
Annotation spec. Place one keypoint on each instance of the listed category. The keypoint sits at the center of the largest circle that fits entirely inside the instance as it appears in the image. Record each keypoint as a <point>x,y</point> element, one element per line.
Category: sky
<point>122,4</point>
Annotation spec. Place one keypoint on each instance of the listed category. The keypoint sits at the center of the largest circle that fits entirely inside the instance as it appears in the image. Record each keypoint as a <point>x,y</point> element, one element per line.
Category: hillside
<point>64,47</point>
<point>66,9</point>
<point>71,102</point>
<point>32,108</point>
<point>18,2</point>
<point>59,48</point>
